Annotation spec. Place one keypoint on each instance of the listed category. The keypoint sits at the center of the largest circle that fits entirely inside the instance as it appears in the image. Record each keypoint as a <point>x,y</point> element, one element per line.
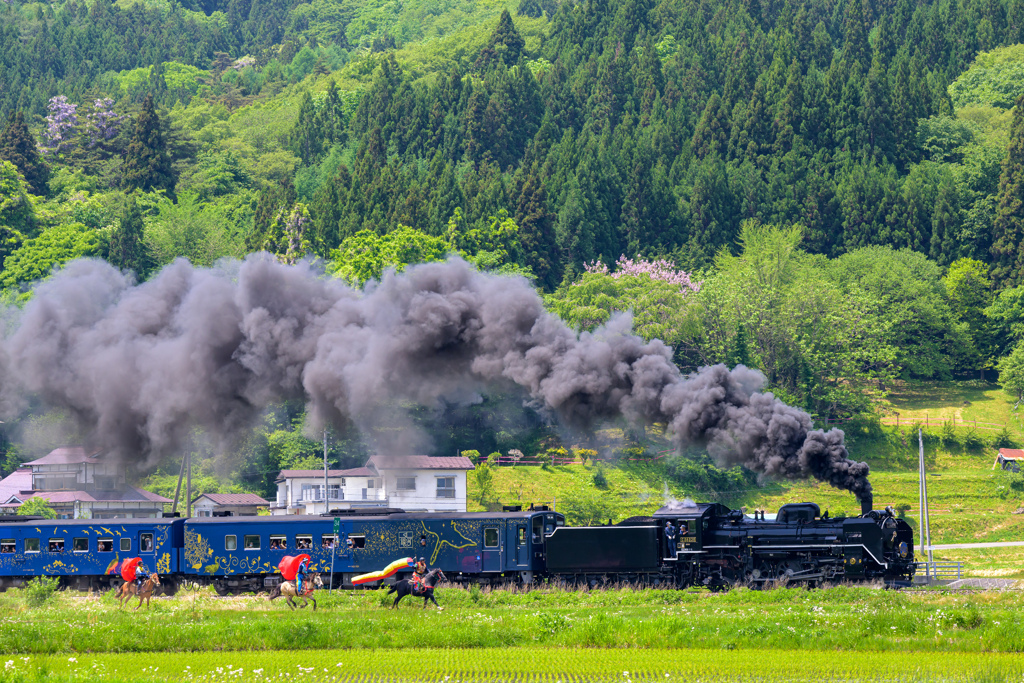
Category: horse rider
<point>418,574</point>
<point>141,574</point>
<point>300,576</point>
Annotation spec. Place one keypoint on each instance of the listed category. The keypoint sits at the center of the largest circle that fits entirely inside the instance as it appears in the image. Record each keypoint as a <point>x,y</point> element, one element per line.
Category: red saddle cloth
<point>128,568</point>
<point>289,565</point>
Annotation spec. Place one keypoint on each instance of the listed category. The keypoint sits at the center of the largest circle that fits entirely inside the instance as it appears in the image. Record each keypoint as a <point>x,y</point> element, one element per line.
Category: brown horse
<point>287,589</point>
<point>129,589</point>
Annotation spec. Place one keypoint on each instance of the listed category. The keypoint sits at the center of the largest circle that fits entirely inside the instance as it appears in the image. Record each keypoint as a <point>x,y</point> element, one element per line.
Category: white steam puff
<point>140,365</point>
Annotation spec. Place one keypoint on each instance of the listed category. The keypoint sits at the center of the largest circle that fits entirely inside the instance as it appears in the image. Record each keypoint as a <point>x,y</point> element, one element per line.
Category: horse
<point>287,589</point>
<point>404,588</point>
<point>129,589</point>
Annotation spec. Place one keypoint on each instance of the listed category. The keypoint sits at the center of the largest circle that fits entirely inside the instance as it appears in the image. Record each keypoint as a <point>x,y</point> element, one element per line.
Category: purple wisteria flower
<point>656,270</point>
<point>61,123</point>
<point>104,122</point>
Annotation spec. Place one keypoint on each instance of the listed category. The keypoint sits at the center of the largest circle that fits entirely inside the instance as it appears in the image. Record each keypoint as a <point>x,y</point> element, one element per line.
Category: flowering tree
<point>656,270</point>
<point>58,138</point>
<point>103,122</point>
<point>655,292</point>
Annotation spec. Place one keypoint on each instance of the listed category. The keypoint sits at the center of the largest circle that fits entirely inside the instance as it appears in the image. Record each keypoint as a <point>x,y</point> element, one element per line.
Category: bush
<point>585,454</point>
<point>1004,439</point>
<point>600,479</point>
<point>972,440</point>
<point>492,459</point>
<point>474,456</point>
<point>948,433</point>
<point>40,590</point>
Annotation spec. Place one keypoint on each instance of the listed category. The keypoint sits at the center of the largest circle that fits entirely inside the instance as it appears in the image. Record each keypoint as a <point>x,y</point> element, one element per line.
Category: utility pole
<point>188,503</point>
<point>923,493</point>
<point>327,503</point>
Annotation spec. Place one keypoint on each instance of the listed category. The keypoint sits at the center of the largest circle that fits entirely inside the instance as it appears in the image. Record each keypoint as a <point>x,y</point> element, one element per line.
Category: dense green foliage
<point>842,183</point>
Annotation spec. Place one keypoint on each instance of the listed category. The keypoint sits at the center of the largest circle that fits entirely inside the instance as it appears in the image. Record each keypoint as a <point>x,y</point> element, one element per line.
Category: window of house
<point>252,542</point>
<point>145,543</point>
<point>356,542</point>
<point>231,543</point>
<point>105,483</point>
<point>335,492</point>
<point>7,545</point>
<point>126,545</point>
<point>105,545</point>
<point>328,541</point>
<point>278,542</point>
<point>406,484</point>
<point>31,545</point>
<point>81,545</point>
<point>490,538</point>
<point>446,487</point>
<point>304,541</point>
<point>56,545</point>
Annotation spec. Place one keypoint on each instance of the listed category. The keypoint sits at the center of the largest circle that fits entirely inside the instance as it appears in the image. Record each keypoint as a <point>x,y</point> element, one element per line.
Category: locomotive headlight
<point>904,549</point>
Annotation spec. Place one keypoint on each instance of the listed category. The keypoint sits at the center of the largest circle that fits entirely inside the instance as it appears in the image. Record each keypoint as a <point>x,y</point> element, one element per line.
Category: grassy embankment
<point>969,501</point>
<point>499,635</point>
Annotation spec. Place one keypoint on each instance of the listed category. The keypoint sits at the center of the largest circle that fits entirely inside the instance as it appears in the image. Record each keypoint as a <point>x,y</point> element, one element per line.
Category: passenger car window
<point>31,545</point>
<point>7,545</point>
<point>105,545</point>
<point>304,541</point>
<point>56,545</point>
<point>231,543</point>
<point>278,542</point>
<point>126,545</point>
<point>81,545</point>
<point>252,542</point>
<point>145,543</point>
<point>490,538</point>
<point>522,535</point>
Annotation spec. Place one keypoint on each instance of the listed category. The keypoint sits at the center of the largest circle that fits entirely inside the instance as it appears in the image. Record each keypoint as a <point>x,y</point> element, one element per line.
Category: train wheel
<point>169,587</point>
<point>221,588</point>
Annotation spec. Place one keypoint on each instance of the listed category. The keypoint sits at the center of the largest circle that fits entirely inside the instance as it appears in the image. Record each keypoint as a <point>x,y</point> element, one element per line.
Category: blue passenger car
<point>86,554</point>
<point>242,553</point>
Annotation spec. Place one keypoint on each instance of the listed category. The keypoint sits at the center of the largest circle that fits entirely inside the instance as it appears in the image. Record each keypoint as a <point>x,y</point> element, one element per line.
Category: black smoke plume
<point>139,366</point>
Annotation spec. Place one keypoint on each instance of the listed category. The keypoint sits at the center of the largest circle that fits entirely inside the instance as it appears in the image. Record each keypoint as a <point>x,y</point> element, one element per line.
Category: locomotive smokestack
<point>866,503</point>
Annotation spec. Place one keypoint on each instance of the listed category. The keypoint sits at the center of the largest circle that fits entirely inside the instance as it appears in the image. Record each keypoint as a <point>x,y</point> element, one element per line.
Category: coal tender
<point>707,544</point>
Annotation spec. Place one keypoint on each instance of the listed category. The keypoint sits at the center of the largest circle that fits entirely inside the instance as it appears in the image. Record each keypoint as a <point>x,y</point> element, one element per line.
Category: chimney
<point>866,502</point>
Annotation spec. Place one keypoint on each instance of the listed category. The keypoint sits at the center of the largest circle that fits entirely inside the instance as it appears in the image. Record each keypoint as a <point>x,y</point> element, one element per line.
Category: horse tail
<point>275,592</point>
<point>393,588</point>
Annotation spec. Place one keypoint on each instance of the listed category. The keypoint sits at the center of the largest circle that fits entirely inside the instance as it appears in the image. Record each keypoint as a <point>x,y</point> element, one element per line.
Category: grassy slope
<point>969,502</point>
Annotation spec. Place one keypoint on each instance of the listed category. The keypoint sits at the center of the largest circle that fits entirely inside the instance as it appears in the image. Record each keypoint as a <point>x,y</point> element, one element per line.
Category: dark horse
<point>426,591</point>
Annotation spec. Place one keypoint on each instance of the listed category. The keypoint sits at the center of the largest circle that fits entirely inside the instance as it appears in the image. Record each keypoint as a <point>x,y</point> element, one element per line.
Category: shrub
<point>40,589</point>
<point>474,456</point>
<point>948,433</point>
<point>585,454</point>
<point>600,479</point>
<point>972,440</point>
<point>492,459</point>
<point>1004,439</point>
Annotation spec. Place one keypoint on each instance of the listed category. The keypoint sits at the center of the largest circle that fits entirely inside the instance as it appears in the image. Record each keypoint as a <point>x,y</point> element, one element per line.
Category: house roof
<point>17,483</point>
<point>66,455</point>
<point>318,474</point>
<point>419,462</point>
<point>130,494</point>
<point>234,499</point>
<point>1011,453</point>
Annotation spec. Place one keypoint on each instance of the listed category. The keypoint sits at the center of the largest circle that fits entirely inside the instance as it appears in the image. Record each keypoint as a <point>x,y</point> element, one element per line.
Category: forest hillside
<point>830,191</point>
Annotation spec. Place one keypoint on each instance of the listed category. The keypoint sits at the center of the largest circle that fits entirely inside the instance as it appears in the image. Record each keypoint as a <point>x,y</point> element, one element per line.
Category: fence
<point>509,461</point>
<point>938,571</point>
<point>897,420</point>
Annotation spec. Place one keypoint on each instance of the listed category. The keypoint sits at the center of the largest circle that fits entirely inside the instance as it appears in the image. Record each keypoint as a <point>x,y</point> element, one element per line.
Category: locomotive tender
<point>713,546</point>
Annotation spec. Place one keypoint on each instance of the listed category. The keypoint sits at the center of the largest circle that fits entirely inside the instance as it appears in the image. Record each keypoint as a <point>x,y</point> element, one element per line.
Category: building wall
<point>424,497</point>
<point>291,500</point>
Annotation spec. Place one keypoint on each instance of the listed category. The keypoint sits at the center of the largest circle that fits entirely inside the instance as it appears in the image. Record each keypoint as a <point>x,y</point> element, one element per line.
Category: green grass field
<point>524,665</point>
<point>550,634</point>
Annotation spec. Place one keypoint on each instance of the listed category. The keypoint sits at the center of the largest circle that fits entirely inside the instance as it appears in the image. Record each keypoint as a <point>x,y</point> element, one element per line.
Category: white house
<point>301,492</point>
<point>412,482</point>
<point>235,503</point>
<point>420,482</point>
<point>79,485</point>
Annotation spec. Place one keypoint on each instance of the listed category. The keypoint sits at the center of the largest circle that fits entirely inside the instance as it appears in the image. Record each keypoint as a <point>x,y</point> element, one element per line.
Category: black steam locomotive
<point>707,544</point>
